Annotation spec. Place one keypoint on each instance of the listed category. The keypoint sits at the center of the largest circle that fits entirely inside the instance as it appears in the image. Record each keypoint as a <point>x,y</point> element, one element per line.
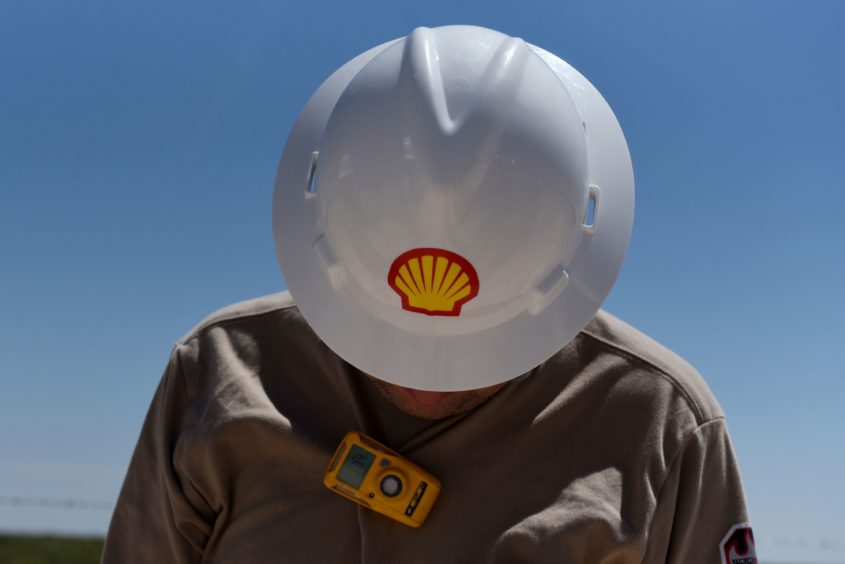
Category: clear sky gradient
<point>138,147</point>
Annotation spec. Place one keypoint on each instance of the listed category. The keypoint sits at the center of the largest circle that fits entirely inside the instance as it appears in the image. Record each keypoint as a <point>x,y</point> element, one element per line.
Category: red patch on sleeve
<point>737,546</point>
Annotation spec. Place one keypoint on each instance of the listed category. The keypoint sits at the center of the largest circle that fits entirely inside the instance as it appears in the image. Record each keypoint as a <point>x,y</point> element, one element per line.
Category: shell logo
<point>433,281</point>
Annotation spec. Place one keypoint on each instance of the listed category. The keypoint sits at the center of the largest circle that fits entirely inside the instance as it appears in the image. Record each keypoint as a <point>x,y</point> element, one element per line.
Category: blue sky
<point>138,146</point>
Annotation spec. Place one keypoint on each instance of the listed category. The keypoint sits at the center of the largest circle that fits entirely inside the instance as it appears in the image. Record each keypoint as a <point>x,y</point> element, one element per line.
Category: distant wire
<point>55,503</point>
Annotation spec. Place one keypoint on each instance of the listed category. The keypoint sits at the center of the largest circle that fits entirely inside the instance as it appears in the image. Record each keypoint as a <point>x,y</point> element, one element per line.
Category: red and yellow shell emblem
<point>433,281</point>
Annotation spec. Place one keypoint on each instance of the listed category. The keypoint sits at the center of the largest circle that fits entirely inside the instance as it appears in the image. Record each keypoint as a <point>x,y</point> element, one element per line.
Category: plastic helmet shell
<point>452,208</point>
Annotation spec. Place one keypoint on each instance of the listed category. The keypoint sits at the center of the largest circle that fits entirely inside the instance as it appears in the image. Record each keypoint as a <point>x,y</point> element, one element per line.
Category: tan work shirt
<point>614,450</point>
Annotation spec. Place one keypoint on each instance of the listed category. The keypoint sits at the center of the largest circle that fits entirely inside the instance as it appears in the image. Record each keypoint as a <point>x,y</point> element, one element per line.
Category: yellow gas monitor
<point>371,474</point>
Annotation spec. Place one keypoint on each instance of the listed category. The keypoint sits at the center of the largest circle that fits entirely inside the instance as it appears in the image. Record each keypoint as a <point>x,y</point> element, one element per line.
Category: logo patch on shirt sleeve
<point>737,546</point>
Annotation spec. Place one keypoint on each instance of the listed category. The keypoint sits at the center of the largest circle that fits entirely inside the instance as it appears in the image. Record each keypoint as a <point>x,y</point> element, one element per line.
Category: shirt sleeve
<point>701,501</point>
<point>159,516</point>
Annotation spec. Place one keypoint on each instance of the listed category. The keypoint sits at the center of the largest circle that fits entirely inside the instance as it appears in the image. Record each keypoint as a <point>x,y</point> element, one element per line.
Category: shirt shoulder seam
<point>229,319</point>
<point>700,418</point>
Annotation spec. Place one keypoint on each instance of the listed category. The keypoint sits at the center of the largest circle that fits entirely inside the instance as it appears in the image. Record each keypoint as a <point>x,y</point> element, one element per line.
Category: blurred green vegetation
<point>20,549</point>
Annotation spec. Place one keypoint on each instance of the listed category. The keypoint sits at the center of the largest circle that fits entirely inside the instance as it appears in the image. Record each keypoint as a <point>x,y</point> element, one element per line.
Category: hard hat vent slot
<point>592,212</point>
<point>311,183</point>
<point>549,288</point>
<point>334,270</point>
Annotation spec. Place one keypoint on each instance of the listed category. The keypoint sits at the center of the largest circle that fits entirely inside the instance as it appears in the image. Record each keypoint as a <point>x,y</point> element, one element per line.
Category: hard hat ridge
<point>461,116</point>
<point>422,76</point>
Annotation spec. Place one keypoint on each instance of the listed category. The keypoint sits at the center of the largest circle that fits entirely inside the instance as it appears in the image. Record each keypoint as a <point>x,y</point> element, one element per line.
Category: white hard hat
<point>452,208</point>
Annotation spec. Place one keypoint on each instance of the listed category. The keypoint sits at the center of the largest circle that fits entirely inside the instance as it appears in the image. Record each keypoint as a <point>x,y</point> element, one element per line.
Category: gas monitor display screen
<point>355,467</point>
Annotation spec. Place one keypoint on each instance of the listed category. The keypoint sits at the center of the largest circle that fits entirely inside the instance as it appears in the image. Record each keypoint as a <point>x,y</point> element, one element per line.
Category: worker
<point>451,210</point>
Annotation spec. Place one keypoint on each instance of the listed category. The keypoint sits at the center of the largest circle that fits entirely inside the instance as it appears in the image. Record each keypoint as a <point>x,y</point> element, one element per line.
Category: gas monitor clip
<point>376,477</point>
